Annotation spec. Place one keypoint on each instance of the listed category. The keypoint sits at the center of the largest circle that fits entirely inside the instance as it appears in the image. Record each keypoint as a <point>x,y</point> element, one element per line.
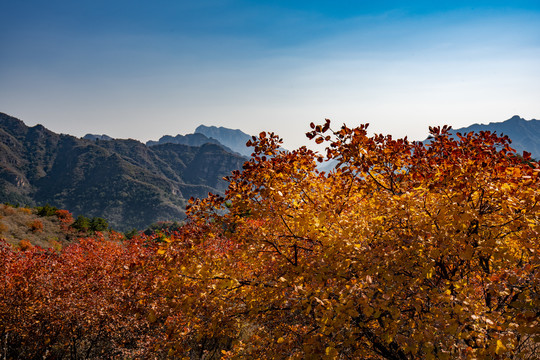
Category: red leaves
<point>319,129</point>
<point>36,226</point>
<point>65,217</point>
<point>25,245</point>
<point>76,301</point>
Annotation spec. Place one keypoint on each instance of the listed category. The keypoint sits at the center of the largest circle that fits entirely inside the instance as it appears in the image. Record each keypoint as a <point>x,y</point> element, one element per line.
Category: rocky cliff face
<point>124,181</point>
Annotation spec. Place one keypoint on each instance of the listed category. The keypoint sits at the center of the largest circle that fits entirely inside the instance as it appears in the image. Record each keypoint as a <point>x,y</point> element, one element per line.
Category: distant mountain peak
<point>232,138</point>
<point>189,139</point>
<point>201,129</point>
<point>515,117</point>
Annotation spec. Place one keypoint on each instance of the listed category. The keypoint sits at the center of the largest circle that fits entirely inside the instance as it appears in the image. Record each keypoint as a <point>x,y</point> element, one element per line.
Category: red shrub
<point>64,216</point>
<point>25,245</point>
<point>36,226</point>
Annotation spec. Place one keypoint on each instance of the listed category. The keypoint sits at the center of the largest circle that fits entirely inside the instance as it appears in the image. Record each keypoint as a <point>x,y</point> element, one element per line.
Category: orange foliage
<point>36,226</point>
<point>25,245</point>
<point>64,216</point>
<point>404,251</point>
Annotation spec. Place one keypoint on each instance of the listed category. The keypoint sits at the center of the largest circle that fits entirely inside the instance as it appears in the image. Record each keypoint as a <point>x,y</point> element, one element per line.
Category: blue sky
<point>142,69</point>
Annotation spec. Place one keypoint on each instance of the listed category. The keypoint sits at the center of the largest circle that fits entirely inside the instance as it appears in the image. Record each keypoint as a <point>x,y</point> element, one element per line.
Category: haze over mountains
<point>234,140</point>
<point>133,185</point>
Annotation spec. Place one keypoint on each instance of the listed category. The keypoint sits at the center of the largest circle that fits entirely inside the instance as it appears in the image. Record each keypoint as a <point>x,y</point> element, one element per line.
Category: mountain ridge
<point>233,140</point>
<point>524,134</point>
<point>128,183</point>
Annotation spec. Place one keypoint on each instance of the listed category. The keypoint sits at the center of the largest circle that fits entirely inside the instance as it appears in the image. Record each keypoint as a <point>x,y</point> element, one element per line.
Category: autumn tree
<point>404,251</point>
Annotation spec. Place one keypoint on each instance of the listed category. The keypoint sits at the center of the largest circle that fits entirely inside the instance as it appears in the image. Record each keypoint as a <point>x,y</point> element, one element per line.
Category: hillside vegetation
<point>403,251</point>
<point>24,226</point>
<point>46,227</point>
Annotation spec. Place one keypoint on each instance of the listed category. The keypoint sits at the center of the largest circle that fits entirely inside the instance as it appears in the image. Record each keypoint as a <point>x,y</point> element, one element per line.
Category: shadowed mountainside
<point>124,181</point>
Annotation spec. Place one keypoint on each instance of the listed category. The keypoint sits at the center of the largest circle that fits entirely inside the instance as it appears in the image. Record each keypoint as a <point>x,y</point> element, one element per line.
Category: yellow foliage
<point>404,250</point>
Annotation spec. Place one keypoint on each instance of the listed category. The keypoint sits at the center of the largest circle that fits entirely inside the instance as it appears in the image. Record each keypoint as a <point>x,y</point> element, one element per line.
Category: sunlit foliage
<point>404,251</point>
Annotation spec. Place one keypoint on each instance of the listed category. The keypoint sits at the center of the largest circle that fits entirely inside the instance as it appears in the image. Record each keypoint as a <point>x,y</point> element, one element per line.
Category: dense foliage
<point>404,251</point>
<point>90,300</point>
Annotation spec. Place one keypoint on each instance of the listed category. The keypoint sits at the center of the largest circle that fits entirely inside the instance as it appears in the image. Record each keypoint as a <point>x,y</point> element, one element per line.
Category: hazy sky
<point>142,69</point>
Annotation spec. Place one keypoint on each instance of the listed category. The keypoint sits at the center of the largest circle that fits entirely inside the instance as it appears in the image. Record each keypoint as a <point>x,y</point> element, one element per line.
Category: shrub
<point>24,245</point>
<point>64,216</point>
<point>46,210</point>
<point>98,224</point>
<point>82,223</point>
<point>36,226</point>
<point>403,251</point>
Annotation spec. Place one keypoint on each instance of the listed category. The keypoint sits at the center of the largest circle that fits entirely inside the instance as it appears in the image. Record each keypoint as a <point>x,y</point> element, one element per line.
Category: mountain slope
<point>124,181</point>
<point>525,134</point>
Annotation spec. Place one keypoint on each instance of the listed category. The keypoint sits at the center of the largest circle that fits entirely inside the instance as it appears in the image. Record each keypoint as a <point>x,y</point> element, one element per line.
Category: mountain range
<point>132,184</point>
<point>234,140</point>
<point>124,181</point>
